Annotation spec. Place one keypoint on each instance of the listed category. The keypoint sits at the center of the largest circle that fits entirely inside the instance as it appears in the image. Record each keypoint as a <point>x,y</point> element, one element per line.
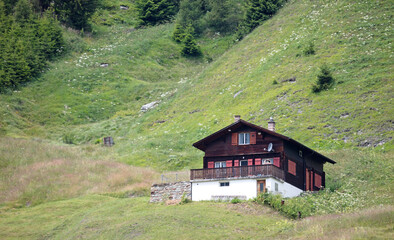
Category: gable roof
<point>234,126</point>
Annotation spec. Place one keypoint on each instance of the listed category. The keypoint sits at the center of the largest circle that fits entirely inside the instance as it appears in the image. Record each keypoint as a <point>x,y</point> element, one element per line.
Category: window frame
<point>243,134</point>
<point>224,184</point>
<point>221,164</point>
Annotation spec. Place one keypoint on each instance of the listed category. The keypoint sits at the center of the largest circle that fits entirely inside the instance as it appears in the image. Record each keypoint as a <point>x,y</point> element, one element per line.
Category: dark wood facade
<point>289,160</point>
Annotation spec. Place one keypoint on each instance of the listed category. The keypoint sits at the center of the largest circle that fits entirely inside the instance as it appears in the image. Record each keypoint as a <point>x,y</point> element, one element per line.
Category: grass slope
<point>196,99</point>
<point>103,217</point>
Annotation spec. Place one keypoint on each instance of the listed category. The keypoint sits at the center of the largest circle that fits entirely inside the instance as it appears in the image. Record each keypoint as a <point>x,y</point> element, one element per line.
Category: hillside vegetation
<point>57,181</point>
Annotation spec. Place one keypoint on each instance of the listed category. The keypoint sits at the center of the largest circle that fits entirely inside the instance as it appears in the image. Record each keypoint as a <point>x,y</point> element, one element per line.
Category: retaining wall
<point>170,191</point>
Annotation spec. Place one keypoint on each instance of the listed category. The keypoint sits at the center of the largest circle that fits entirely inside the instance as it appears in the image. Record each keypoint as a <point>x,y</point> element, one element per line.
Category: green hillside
<point>57,181</point>
<point>101,217</point>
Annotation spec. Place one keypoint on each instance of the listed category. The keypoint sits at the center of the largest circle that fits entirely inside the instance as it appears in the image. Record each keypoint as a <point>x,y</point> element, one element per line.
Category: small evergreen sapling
<point>324,80</point>
<point>190,47</point>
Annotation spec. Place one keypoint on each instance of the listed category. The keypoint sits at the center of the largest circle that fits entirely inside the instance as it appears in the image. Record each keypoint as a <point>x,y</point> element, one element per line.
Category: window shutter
<point>234,139</point>
<point>229,163</point>
<point>317,180</point>
<point>277,161</point>
<point>292,167</point>
<point>210,164</point>
<point>236,163</point>
<point>307,179</point>
<point>250,162</point>
<point>258,161</point>
<point>253,138</point>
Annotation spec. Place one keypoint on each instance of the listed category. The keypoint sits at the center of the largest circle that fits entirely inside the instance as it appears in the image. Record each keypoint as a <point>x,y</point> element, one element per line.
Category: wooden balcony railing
<point>235,172</point>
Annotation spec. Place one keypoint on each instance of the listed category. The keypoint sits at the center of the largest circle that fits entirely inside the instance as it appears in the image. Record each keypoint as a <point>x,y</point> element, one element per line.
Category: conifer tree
<point>190,47</point>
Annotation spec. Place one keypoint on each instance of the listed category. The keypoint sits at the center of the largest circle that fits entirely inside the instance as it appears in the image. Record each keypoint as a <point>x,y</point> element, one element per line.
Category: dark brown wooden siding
<point>224,146</point>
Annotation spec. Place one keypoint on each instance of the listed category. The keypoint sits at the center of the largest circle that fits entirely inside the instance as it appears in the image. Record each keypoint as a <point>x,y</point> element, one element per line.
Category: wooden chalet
<point>262,157</point>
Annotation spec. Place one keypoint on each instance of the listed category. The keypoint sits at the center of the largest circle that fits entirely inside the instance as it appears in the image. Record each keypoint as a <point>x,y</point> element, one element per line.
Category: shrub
<point>324,80</point>
<point>68,138</point>
<point>235,200</point>
<point>309,49</point>
<point>184,199</point>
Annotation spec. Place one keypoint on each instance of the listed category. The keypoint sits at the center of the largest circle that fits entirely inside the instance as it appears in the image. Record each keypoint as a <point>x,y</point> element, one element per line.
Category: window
<point>291,168</point>
<point>220,164</point>
<point>244,138</point>
<point>224,184</point>
<point>276,187</point>
<point>244,162</point>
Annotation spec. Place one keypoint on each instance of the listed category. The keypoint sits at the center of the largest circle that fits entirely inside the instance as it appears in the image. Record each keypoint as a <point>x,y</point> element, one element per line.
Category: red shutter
<point>234,139</point>
<point>210,164</point>
<point>250,162</point>
<point>277,161</point>
<point>253,138</point>
<point>229,163</point>
<point>258,161</point>
<point>307,179</point>
<point>236,163</point>
<point>317,180</point>
<point>292,167</point>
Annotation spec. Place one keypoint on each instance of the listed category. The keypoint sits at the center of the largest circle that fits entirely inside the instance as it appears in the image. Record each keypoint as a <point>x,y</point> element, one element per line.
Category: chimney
<point>237,118</point>
<point>271,124</point>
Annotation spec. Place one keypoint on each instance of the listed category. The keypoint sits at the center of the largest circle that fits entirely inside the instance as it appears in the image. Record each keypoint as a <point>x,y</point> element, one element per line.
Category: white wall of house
<point>240,188</point>
<point>283,188</point>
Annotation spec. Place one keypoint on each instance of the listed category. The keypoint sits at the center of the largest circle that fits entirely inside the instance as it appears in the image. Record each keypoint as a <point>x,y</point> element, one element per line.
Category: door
<point>260,186</point>
<point>244,168</point>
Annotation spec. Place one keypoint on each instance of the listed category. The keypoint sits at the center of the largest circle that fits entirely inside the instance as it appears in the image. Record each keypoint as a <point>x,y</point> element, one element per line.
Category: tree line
<point>31,34</point>
<point>196,17</point>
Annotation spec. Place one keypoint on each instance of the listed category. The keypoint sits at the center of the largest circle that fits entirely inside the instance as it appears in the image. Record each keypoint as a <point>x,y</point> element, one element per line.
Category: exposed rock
<point>239,92</point>
<point>292,80</point>
<point>345,115</point>
<point>194,111</point>
<point>123,7</point>
<point>104,65</point>
<point>149,106</point>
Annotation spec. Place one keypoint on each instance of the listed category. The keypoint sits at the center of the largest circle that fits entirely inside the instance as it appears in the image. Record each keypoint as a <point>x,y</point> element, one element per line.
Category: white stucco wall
<point>206,190</point>
<point>241,188</point>
<point>285,189</point>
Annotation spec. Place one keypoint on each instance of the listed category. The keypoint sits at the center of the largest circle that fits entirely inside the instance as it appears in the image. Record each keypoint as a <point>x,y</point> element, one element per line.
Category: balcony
<point>237,172</point>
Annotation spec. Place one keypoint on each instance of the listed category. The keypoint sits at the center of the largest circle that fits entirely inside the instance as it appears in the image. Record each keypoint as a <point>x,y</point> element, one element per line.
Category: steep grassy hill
<point>83,102</point>
<point>48,188</point>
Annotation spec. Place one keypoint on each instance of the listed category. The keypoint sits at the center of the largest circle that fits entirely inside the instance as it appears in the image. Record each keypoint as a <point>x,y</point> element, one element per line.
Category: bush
<point>235,200</point>
<point>324,80</point>
<point>184,199</point>
<point>309,49</point>
<point>68,138</point>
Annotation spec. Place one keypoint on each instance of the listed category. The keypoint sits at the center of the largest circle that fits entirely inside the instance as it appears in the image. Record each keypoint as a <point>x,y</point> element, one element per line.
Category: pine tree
<point>324,80</point>
<point>23,12</point>
<point>76,13</point>
<point>153,12</point>
<point>190,47</point>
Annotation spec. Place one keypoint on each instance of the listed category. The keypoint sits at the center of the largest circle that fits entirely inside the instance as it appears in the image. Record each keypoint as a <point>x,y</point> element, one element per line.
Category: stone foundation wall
<point>170,191</point>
